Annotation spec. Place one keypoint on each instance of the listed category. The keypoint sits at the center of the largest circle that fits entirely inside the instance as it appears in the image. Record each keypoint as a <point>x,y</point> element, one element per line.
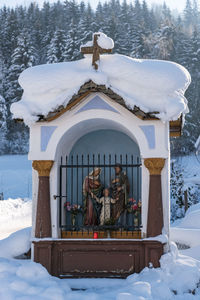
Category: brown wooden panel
<point>153,252</point>
<point>43,255</point>
<point>97,258</point>
<point>97,262</point>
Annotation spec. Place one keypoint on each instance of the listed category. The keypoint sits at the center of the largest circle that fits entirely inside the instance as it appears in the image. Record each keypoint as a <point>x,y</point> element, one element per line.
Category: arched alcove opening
<point>72,135</point>
<point>103,148</point>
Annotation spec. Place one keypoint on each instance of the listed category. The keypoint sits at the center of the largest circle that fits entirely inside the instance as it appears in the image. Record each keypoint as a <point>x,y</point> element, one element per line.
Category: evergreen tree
<point>188,16</point>
<point>86,27</point>
<point>72,47</point>
<point>3,125</point>
<point>58,29</point>
<point>24,56</point>
<point>178,188</point>
<point>56,48</point>
<point>177,191</point>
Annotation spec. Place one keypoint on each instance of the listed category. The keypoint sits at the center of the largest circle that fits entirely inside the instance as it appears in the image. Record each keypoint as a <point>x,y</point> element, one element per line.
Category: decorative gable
<point>97,102</point>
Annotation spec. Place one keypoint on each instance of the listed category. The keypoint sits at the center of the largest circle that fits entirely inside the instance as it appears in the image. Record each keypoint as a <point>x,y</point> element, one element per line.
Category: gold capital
<point>43,167</point>
<point>154,165</point>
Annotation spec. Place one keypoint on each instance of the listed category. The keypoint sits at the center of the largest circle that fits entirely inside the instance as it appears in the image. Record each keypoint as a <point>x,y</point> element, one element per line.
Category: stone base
<point>99,258</point>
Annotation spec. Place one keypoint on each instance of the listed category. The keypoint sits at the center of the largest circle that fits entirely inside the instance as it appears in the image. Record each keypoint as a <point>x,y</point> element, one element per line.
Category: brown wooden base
<point>101,234</point>
<point>96,258</point>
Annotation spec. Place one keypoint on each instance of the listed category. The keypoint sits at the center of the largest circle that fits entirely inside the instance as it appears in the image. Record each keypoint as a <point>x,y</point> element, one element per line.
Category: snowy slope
<point>187,232</point>
<point>15,176</point>
<point>15,214</point>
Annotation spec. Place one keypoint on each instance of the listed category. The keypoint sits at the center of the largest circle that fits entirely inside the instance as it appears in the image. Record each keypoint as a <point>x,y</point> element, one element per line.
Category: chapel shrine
<point>99,143</point>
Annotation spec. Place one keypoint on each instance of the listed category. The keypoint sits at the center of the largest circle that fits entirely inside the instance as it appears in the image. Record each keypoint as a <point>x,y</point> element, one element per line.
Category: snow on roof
<point>152,85</point>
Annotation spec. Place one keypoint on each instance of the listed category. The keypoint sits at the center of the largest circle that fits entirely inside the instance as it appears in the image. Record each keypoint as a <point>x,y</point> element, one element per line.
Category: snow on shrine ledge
<point>152,85</point>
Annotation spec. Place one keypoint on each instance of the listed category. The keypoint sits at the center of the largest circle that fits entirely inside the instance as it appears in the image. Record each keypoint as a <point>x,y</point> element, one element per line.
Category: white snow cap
<point>152,85</point>
<point>104,41</point>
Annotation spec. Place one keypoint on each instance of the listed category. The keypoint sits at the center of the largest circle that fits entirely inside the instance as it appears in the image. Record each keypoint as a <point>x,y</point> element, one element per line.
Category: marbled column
<point>43,213</point>
<point>155,207</point>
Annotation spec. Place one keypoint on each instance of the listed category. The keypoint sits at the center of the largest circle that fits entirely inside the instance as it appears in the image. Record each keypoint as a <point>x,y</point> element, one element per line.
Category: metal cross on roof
<point>95,50</point>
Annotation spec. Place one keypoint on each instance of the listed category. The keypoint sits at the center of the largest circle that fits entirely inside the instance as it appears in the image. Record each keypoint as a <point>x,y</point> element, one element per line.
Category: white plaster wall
<point>166,184</point>
<point>54,202</point>
<point>34,199</point>
<point>145,197</point>
<point>125,122</point>
<point>71,126</point>
<point>166,195</point>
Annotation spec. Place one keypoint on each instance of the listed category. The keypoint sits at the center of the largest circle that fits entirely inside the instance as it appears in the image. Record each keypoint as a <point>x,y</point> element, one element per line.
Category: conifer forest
<point>53,33</point>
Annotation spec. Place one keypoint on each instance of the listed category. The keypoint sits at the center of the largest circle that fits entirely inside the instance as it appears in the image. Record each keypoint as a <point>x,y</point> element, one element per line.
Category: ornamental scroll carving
<point>43,167</point>
<point>154,165</point>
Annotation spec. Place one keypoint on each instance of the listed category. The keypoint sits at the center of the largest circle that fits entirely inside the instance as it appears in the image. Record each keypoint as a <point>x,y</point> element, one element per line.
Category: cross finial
<point>95,50</point>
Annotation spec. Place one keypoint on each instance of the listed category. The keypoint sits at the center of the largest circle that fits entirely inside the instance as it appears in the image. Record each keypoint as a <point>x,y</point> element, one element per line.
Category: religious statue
<point>105,201</point>
<point>92,188</point>
<point>120,191</point>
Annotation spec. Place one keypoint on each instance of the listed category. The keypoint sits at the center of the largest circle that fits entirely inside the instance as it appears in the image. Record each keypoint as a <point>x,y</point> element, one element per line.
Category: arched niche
<point>76,132</point>
<point>104,148</point>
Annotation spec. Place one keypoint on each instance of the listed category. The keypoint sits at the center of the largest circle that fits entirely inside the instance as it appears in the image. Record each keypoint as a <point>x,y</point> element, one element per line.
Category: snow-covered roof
<point>151,85</point>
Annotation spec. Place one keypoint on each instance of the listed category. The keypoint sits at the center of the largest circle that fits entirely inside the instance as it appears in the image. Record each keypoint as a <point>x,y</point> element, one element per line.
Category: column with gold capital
<point>43,211</point>
<point>155,207</point>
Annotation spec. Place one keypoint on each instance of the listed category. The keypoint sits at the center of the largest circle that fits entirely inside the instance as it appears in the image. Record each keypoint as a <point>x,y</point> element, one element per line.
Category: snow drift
<point>152,85</point>
<point>178,278</point>
<point>16,244</point>
<point>15,214</point>
<point>187,232</point>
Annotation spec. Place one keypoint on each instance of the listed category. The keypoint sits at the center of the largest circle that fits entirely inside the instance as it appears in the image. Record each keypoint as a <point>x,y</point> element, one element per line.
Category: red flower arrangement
<point>133,206</point>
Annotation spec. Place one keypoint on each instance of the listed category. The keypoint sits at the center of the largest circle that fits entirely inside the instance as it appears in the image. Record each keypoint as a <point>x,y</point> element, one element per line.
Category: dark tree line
<point>31,35</point>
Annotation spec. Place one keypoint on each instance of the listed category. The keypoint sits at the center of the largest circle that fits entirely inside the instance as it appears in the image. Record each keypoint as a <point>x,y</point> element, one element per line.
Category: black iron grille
<point>100,193</point>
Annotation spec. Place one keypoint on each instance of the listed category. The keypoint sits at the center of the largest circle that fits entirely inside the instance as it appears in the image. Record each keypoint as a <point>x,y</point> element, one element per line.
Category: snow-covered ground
<point>15,214</point>
<point>187,232</point>
<point>15,176</point>
<point>177,279</point>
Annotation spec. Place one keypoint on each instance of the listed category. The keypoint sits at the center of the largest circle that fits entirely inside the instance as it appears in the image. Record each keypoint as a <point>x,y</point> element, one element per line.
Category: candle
<point>95,235</point>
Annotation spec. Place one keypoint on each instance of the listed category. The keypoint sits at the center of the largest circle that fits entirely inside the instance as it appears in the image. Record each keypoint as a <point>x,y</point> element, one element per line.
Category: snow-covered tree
<point>178,188</point>
<point>177,191</point>
<point>72,47</point>
<point>32,35</point>
<point>3,125</point>
<point>56,48</point>
<point>24,56</point>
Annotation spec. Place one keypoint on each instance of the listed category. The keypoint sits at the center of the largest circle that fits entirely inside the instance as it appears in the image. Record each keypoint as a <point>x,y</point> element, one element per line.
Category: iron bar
<point>60,200</point>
